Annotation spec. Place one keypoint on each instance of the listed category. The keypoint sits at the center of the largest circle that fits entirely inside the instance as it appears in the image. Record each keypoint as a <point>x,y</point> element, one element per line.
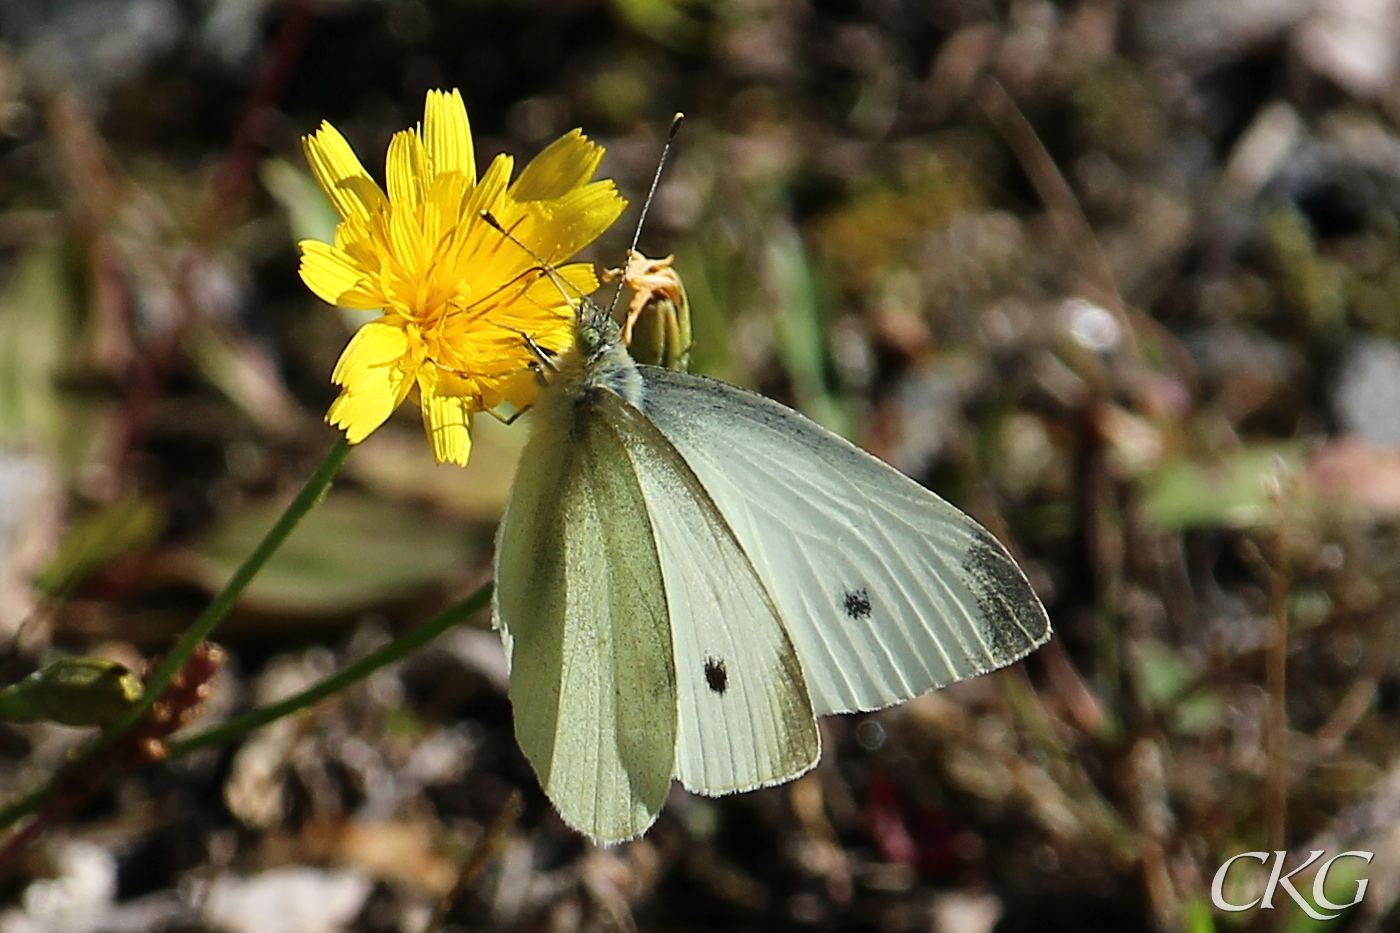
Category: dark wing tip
<point>1016,621</point>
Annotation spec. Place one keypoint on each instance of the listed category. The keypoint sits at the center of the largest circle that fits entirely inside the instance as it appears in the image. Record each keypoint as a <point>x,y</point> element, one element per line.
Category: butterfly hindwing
<point>744,717</point>
<point>583,615</point>
<point>886,590</point>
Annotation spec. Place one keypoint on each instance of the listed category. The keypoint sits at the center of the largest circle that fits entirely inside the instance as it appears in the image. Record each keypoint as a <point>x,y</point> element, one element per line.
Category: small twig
<point>1107,545</point>
<point>1103,523</point>
<point>482,855</point>
<point>1063,207</point>
<point>1276,722</point>
<point>1347,716</point>
<point>1358,699</point>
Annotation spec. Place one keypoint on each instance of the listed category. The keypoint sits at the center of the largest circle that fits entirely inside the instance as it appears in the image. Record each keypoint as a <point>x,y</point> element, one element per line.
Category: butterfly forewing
<point>744,717</point>
<point>886,590</point>
<point>585,625</point>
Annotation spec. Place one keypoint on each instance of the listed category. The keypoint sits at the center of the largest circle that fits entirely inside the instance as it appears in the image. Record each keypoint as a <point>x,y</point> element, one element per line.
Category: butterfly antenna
<point>651,195</point>
<point>548,268</point>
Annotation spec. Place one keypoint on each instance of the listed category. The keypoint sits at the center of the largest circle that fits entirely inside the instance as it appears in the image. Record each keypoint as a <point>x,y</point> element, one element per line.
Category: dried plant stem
<point>1061,204</point>
<point>1104,524</point>
<point>1276,723</point>
<point>1106,544</point>
<point>235,174</point>
<point>486,849</point>
<point>1347,715</point>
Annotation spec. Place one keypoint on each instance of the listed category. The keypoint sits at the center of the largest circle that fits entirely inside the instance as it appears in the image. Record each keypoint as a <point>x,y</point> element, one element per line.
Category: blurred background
<point>1118,277</point>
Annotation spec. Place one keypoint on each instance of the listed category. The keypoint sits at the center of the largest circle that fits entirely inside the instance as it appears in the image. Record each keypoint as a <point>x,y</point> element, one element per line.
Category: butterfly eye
<point>716,675</point>
<point>856,603</point>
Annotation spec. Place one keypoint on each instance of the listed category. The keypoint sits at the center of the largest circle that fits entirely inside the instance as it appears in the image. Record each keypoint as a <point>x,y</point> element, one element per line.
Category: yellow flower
<point>459,299</point>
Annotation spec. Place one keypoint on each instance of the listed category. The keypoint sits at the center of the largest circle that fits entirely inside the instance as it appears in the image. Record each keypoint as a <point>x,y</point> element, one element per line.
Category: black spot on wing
<point>1015,620</point>
<point>856,603</point>
<point>716,675</point>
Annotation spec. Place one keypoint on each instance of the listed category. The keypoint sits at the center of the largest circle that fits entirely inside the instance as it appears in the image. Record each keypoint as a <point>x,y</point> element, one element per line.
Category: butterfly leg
<point>545,358</point>
<point>510,419</point>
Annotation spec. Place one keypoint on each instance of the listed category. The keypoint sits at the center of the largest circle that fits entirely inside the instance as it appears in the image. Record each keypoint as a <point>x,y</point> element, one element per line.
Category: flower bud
<point>657,329</point>
<point>73,692</point>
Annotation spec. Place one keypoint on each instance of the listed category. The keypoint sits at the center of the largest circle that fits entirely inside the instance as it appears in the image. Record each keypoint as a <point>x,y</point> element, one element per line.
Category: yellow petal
<point>406,170</point>
<point>557,229</point>
<point>442,209</point>
<point>487,195</point>
<point>457,294</point>
<point>336,279</point>
<point>447,419</point>
<point>367,193</point>
<point>362,250</point>
<point>406,238</point>
<point>340,173</point>
<point>565,164</point>
<point>582,274</point>
<point>376,373</point>
<point>479,249</point>
<point>579,280</point>
<point>448,135</point>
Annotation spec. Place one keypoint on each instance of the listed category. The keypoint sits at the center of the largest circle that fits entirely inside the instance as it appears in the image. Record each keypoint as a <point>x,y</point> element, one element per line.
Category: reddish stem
<point>231,183</point>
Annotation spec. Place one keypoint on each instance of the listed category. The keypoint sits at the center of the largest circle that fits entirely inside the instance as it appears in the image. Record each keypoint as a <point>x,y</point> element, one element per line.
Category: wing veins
<point>792,491</point>
<point>794,746</point>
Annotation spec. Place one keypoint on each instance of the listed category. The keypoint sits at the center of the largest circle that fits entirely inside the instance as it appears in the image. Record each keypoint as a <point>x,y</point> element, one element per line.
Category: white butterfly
<point>688,574</point>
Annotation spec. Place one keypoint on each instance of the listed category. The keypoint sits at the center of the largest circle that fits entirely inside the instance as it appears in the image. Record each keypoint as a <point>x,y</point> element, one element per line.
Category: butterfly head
<point>596,334</point>
<point>602,355</point>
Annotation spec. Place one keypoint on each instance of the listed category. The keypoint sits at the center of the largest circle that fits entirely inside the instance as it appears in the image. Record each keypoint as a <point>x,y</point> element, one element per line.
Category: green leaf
<point>1233,492</point>
<point>36,340</point>
<point>128,525</point>
<point>1163,679</point>
<point>398,467</point>
<point>349,552</point>
<point>309,212</point>
<point>1197,917</point>
<point>794,289</point>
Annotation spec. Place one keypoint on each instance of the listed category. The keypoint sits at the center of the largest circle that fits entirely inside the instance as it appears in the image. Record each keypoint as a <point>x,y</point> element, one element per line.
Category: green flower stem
<point>397,649</point>
<point>312,493</point>
<point>315,489</point>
